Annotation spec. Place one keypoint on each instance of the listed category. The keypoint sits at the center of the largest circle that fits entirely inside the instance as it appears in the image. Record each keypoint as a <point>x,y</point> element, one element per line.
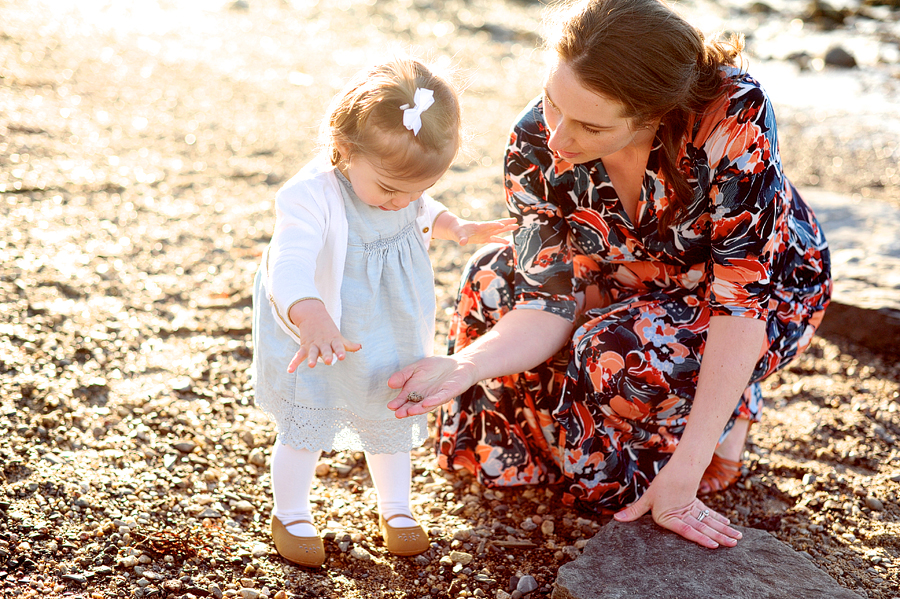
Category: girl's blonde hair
<point>366,118</point>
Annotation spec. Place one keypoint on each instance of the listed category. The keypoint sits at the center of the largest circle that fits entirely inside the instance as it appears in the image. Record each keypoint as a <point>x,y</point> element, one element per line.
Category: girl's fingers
<point>327,355</point>
<point>313,356</point>
<point>296,360</point>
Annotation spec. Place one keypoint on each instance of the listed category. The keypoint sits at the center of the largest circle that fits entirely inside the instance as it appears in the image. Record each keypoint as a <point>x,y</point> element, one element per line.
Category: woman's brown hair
<point>366,118</point>
<point>649,59</point>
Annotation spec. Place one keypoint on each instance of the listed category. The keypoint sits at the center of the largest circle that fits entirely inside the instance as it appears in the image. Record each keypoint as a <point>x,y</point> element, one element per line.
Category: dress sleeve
<point>746,201</point>
<point>544,272</point>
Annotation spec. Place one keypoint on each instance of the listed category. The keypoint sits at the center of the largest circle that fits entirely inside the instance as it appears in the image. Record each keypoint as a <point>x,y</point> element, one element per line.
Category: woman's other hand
<point>675,507</point>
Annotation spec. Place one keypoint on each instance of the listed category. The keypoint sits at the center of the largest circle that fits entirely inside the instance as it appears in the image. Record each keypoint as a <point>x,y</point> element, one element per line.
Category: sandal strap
<point>408,516</point>
<point>299,522</point>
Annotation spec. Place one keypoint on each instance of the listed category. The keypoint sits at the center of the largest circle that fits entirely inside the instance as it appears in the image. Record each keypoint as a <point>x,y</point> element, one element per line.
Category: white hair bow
<point>412,115</point>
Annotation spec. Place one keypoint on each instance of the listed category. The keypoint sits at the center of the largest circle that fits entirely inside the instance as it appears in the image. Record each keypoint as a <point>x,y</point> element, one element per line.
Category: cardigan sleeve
<point>429,210</point>
<point>290,260</point>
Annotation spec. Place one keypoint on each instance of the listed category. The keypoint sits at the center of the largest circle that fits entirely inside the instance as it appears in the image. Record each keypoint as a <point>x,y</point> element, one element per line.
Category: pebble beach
<point>141,145</point>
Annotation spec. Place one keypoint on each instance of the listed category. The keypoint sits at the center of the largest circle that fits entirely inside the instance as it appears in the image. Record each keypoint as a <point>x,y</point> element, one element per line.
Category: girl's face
<point>584,125</point>
<point>375,187</point>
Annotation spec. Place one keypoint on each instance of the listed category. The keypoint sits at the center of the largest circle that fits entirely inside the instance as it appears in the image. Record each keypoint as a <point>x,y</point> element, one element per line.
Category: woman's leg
<point>391,474</point>
<point>630,383</point>
<point>501,430</point>
<point>292,475</point>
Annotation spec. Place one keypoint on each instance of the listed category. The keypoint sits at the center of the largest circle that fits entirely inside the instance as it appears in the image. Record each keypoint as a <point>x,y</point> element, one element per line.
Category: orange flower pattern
<point>604,415</point>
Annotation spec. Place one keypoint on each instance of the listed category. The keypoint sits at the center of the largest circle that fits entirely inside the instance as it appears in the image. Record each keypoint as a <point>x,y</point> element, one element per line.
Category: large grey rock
<point>640,560</point>
<point>864,237</point>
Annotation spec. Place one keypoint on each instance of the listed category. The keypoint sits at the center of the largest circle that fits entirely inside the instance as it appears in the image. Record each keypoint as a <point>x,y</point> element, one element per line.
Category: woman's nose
<point>559,137</point>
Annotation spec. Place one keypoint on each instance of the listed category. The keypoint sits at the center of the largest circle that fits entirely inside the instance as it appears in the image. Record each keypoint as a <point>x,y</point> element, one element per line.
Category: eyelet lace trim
<point>337,429</point>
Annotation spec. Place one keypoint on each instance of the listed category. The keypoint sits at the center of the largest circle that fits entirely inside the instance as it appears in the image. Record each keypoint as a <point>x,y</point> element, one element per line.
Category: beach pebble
<point>244,507</point>
<point>361,554</point>
<point>874,504</point>
<point>257,458</point>
<point>547,527</point>
<point>839,57</point>
<point>527,584</point>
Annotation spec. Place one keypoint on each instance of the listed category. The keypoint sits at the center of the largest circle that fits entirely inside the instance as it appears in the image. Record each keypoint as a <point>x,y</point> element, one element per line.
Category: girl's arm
<point>452,228</point>
<point>733,346</point>
<point>519,341</point>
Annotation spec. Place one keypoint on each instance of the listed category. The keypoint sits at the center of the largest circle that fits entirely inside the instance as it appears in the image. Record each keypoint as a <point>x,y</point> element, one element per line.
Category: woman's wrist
<point>467,366</point>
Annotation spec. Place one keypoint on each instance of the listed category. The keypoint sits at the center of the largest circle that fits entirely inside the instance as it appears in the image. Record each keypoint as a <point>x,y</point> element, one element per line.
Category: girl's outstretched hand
<point>321,338</point>
<point>436,380</point>
<point>467,231</point>
<point>678,509</point>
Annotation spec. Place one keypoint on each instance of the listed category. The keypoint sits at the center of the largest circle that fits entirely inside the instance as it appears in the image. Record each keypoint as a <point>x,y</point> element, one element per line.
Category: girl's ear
<point>344,150</point>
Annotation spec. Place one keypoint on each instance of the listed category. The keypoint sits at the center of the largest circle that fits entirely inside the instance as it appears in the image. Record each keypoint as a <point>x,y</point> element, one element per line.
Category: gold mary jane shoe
<point>410,540</point>
<point>303,551</point>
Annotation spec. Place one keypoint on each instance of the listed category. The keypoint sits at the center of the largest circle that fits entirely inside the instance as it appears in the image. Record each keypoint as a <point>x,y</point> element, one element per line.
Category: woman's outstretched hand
<point>465,232</point>
<point>682,512</point>
<point>436,380</point>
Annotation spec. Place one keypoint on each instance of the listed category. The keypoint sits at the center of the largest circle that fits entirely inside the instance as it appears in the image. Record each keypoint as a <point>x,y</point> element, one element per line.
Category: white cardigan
<point>305,258</point>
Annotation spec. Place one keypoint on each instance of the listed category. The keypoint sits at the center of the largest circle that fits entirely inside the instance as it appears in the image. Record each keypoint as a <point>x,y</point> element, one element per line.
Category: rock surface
<point>634,560</point>
<point>865,254</point>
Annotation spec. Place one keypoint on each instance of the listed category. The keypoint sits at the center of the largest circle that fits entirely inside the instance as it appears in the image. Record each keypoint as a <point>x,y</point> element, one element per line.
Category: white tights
<point>292,475</point>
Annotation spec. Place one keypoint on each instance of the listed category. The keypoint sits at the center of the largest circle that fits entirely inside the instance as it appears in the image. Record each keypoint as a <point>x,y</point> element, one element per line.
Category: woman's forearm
<point>733,346</point>
<point>519,341</point>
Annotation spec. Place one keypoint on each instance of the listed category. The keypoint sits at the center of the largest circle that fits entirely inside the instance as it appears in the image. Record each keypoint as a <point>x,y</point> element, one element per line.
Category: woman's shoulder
<point>744,91</point>
<point>530,125</point>
<point>743,101</point>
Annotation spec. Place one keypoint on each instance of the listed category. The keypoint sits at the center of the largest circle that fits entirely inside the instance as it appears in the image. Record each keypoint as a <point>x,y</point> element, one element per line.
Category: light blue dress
<point>387,297</point>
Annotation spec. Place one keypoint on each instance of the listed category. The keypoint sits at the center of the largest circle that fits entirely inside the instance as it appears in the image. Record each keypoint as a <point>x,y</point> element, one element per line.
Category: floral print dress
<point>604,415</point>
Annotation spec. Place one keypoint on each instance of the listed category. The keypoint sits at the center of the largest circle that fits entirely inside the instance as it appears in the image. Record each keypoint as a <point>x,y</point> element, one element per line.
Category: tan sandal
<point>410,540</point>
<point>719,475</point>
<point>303,551</point>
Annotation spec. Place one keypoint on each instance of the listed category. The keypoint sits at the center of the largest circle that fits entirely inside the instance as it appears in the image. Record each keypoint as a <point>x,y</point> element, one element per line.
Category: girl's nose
<point>402,201</point>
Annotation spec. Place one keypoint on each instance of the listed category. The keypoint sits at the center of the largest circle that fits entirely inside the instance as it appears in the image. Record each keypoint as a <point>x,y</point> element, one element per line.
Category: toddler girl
<point>346,281</point>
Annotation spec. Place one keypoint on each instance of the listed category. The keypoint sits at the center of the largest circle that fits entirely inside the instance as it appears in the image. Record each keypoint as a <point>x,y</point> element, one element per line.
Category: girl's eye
<point>387,192</point>
<point>591,130</point>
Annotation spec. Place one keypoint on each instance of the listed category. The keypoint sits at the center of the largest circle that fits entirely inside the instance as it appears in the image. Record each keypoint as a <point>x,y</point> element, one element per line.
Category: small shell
<point>414,397</point>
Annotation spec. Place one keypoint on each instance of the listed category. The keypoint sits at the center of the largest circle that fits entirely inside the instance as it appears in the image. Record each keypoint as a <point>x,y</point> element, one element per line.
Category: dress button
<point>425,230</point>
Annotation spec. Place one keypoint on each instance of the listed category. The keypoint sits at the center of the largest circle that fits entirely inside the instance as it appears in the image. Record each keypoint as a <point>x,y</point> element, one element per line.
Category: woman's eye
<point>591,130</point>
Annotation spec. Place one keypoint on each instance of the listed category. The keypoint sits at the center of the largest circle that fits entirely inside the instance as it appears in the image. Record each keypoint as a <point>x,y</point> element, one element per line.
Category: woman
<point>663,266</point>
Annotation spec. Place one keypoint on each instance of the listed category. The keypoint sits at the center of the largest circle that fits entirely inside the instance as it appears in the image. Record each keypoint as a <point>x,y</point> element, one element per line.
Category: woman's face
<point>584,125</point>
